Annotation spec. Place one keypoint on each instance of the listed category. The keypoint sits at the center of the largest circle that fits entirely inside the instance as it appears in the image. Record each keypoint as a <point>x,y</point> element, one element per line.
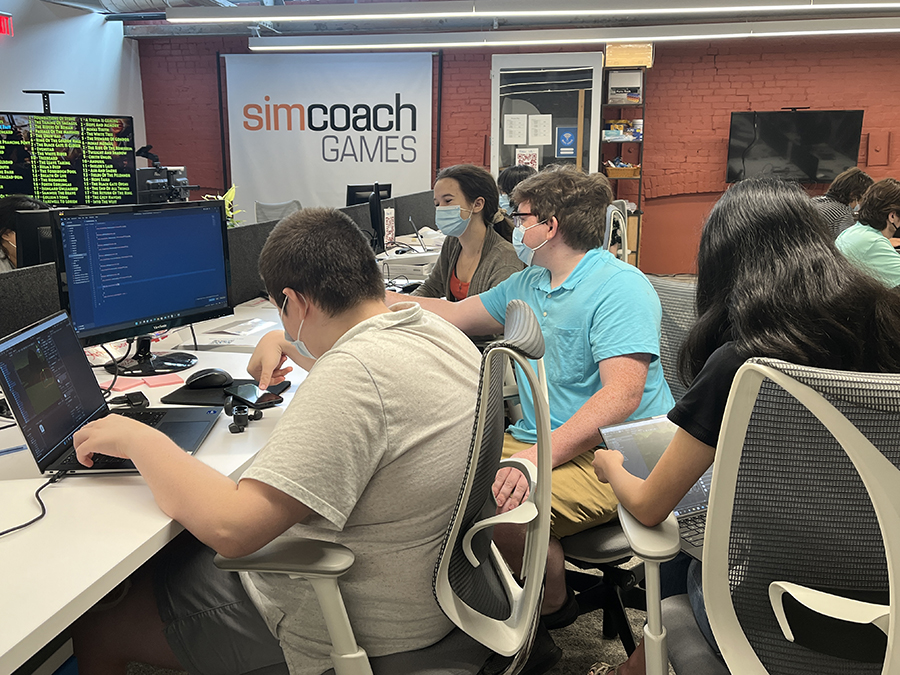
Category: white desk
<point>237,333</point>
<point>97,531</point>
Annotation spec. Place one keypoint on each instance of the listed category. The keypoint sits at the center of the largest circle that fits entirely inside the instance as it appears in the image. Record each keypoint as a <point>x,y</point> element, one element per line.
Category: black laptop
<point>52,392</point>
<point>642,443</point>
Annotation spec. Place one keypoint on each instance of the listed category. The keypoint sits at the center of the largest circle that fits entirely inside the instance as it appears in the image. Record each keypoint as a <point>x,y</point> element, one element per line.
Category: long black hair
<point>475,182</point>
<point>770,279</point>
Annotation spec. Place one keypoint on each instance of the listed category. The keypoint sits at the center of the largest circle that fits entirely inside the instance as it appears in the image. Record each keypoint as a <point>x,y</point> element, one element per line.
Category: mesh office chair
<point>496,616</point>
<point>802,548</point>
<point>606,547</point>
<point>267,212</point>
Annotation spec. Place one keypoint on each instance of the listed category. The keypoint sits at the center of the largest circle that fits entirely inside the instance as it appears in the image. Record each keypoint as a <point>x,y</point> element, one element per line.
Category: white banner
<point>304,126</point>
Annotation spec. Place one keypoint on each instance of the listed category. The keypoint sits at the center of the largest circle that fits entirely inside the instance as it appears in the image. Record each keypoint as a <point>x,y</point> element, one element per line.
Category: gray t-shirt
<point>375,441</point>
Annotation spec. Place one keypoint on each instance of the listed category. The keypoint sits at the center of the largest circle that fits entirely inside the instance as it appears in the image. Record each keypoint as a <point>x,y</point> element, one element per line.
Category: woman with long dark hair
<point>477,253</point>
<point>770,282</point>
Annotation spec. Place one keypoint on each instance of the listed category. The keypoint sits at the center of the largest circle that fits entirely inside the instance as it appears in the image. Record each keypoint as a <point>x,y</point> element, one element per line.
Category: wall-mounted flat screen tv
<point>68,160</point>
<point>809,146</point>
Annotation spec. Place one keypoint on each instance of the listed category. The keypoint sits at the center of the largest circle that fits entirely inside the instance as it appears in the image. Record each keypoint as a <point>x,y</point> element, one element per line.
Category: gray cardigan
<point>498,261</point>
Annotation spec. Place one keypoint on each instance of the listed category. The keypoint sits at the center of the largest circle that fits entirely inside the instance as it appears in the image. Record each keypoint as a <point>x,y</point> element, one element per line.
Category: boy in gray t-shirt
<point>358,457</point>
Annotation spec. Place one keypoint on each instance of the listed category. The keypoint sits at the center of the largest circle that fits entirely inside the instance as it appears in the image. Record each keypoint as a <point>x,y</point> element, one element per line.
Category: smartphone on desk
<point>253,396</point>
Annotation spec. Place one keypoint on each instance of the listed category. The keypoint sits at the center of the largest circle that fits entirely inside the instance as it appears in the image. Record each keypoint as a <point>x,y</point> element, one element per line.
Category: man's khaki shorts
<point>579,501</point>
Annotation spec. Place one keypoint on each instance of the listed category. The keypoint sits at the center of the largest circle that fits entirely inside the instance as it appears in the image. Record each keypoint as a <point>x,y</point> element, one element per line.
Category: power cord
<point>58,476</point>
<point>108,391</point>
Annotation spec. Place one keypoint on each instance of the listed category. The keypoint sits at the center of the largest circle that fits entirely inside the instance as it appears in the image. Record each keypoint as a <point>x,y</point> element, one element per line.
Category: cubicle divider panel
<point>244,245</point>
<point>27,295</point>
<point>359,214</point>
<point>419,206</point>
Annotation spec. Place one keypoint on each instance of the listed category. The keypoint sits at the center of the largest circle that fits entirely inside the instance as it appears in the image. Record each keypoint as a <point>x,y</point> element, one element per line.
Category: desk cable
<point>58,476</point>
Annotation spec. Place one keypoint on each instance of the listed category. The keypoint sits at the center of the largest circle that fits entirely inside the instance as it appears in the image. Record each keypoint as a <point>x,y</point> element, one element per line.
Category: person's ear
<point>552,227</point>
<point>297,301</point>
<point>478,205</point>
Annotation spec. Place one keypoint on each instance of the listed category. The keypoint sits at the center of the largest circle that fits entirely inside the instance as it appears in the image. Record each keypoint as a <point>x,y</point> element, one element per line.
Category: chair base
<point>613,592</point>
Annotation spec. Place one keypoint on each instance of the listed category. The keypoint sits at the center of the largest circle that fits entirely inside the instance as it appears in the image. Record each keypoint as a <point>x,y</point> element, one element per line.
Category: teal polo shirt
<point>870,251</point>
<point>604,308</point>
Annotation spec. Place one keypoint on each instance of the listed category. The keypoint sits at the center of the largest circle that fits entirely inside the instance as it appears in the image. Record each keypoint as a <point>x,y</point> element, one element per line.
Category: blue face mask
<point>525,253</point>
<point>298,343</point>
<point>504,202</point>
<point>449,220</point>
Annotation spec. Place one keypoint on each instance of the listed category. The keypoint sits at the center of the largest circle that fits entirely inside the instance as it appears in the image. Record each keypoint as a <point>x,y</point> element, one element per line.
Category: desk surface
<point>97,531</point>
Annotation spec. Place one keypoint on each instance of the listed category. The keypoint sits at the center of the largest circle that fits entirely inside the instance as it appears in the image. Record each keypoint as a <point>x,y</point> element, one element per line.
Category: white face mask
<point>298,343</point>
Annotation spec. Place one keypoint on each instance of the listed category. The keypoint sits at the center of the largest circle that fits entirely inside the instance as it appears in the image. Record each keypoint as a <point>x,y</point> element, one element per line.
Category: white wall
<point>56,47</point>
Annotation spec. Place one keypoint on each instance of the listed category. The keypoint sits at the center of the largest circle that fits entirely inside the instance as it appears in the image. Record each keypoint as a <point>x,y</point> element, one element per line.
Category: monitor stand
<point>145,364</point>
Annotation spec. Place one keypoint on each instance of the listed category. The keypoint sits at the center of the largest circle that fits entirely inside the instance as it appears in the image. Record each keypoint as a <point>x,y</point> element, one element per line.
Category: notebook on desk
<point>52,393</point>
<point>642,443</point>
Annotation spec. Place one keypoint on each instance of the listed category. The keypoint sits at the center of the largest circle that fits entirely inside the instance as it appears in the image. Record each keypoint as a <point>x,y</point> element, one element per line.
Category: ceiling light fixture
<point>499,9</point>
<point>585,36</point>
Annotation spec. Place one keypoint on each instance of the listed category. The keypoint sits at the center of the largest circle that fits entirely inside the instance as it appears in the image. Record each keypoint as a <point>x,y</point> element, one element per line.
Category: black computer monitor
<point>376,217</point>
<point>359,194</point>
<point>131,271</point>
<point>34,238</point>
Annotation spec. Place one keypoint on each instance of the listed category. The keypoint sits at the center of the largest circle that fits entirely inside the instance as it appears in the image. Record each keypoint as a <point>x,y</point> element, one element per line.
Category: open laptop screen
<point>642,443</point>
<point>49,385</point>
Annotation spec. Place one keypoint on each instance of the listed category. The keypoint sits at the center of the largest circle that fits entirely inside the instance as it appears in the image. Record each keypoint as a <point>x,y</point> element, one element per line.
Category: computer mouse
<point>209,378</point>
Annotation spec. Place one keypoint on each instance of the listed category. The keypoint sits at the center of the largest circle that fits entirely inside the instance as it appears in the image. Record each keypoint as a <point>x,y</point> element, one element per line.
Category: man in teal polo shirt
<point>600,318</point>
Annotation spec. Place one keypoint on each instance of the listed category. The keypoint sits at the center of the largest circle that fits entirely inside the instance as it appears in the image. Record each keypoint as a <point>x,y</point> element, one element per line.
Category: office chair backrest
<point>617,224</point>
<point>27,295</point>
<point>472,583</point>
<point>266,212</point>
<point>677,298</point>
<point>788,504</point>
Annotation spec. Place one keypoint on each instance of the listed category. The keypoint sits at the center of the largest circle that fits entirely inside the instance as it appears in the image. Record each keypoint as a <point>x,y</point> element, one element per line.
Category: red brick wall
<point>691,91</point>
<point>181,104</point>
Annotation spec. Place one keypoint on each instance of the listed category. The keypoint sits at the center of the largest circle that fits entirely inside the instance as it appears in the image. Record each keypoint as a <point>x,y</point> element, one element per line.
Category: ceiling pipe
<point>137,6</point>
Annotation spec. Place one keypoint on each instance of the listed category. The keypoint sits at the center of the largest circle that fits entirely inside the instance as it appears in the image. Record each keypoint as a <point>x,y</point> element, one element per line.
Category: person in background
<point>476,254</point>
<point>600,319</point>
<point>8,207</point>
<point>837,206</point>
<point>507,181</point>
<point>868,244</point>
<point>769,283</point>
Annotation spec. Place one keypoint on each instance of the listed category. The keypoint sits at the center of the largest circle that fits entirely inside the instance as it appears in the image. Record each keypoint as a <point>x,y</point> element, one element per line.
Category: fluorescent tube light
<point>585,36</point>
<point>499,9</point>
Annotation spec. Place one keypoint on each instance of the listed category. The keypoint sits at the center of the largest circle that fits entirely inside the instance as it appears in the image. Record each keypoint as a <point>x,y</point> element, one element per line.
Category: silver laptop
<point>52,392</point>
<point>642,443</point>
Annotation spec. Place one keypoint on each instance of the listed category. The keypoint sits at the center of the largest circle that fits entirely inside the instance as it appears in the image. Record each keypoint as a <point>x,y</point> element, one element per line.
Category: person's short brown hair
<point>849,185</point>
<point>879,201</point>
<point>577,200</point>
<point>321,254</point>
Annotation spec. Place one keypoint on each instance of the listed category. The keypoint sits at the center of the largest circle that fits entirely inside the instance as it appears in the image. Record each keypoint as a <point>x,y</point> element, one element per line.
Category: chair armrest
<point>300,557</point>
<point>826,604</point>
<point>658,543</point>
<point>523,513</point>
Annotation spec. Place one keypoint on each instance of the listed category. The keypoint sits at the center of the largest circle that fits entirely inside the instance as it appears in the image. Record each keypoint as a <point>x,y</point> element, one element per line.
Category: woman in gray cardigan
<point>477,254</point>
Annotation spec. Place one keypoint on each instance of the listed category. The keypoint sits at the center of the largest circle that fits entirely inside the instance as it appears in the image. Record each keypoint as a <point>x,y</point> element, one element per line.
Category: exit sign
<point>6,27</point>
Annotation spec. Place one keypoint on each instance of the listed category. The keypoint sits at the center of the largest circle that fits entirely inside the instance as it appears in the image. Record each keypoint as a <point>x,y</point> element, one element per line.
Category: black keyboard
<point>693,528</point>
<point>149,417</point>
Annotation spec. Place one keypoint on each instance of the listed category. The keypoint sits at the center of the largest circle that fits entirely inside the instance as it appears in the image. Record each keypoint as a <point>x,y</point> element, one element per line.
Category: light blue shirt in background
<point>870,251</point>
<point>604,308</point>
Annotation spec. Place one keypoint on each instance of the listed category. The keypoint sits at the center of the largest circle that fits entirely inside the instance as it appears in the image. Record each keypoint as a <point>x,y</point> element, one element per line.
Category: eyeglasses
<point>520,216</point>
